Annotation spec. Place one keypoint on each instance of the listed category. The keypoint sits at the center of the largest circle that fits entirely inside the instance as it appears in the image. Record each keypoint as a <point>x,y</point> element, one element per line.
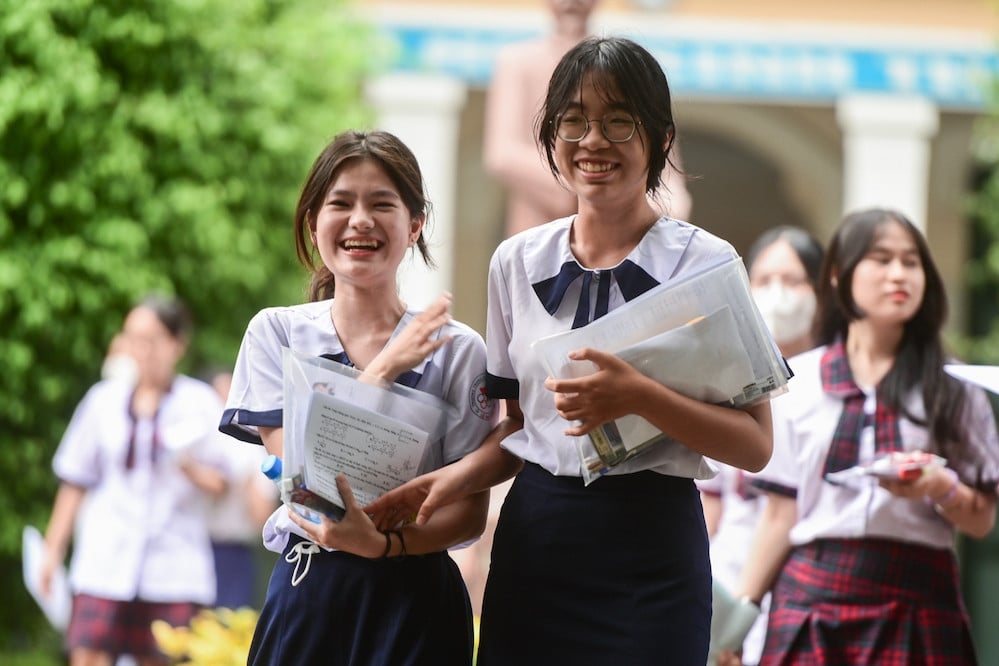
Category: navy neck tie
<point>631,279</point>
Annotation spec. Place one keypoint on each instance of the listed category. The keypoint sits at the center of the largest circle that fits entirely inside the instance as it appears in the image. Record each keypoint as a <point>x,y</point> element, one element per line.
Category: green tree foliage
<point>982,345</point>
<point>147,145</point>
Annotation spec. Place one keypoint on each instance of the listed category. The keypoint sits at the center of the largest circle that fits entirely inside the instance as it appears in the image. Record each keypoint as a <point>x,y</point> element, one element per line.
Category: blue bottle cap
<point>271,467</point>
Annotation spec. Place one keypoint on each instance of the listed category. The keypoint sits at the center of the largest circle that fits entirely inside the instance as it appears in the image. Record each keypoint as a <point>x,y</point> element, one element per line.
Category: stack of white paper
<point>701,336</point>
<point>986,376</point>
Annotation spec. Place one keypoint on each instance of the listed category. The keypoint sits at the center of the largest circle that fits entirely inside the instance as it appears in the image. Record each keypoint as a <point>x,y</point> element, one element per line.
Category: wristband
<point>402,542</point>
<point>388,544</point>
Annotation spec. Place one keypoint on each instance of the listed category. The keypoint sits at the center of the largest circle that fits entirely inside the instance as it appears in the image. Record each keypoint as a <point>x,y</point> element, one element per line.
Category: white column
<point>424,111</point>
<point>886,152</point>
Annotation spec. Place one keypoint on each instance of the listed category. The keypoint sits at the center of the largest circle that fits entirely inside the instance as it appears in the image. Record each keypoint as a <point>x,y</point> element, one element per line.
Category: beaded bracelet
<point>941,503</point>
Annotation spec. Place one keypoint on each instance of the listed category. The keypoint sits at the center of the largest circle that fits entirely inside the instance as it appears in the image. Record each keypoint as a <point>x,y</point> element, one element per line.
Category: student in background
<point>236,518</point>
<point>865,571</point>
<point>783,266</point>
<point>146,456</point>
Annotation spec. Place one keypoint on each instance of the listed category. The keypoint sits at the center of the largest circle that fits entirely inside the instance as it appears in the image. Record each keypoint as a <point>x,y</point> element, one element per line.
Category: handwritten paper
<point>375,452</point>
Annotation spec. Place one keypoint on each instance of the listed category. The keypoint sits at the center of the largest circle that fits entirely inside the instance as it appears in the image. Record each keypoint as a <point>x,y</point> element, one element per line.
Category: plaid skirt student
<point>864,571</point>
<point>138,465</point>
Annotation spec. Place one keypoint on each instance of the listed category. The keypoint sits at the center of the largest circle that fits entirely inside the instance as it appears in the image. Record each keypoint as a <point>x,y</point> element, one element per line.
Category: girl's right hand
<point>419,339</point>
<point>354,533</point>
<point>417,499</point>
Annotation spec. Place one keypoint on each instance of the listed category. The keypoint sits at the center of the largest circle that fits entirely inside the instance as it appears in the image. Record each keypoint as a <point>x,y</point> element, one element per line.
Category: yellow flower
<point>173,641</point>
<point>219,637</point>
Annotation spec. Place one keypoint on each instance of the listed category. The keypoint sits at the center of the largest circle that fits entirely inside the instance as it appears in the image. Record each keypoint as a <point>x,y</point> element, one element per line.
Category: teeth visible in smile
<point>595,167</point>
<point>360,244</point>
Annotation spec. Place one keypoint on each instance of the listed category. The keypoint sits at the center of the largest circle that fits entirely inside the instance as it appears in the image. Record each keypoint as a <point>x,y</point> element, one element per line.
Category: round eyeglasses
<point>617,126</point>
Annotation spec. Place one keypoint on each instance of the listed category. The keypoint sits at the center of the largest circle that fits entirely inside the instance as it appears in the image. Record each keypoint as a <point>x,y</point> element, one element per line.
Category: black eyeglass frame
<point>603,128</point>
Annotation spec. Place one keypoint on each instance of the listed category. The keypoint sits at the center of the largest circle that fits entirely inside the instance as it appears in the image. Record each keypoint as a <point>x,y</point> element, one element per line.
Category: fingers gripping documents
<point>701,336</point>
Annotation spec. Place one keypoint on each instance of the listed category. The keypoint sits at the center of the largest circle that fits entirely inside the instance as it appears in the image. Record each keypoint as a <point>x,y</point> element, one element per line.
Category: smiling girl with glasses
<point>616,572</point>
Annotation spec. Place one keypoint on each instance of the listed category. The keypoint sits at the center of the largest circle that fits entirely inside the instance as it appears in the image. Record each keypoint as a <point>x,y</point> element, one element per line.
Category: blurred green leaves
<point>982,345</point>
<point>148,145</point>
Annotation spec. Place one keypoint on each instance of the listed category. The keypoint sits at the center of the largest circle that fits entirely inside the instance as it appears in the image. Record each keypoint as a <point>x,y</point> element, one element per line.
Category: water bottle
<point>272,468</point>
<point>304,502</point>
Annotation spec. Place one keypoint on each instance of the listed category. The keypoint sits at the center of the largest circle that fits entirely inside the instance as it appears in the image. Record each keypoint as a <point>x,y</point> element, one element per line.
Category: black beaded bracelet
<point>388,544</point>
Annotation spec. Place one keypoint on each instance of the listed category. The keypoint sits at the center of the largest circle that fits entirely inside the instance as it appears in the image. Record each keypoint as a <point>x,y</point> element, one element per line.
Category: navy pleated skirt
<point>613,573</point>
<point>409,611</point>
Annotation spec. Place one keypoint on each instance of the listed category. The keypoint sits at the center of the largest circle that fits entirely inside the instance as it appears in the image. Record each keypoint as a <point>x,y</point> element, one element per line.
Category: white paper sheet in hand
<point>59,602</point>
<point>986,376</point>
<point>701,360</point>
<point>731,620</point>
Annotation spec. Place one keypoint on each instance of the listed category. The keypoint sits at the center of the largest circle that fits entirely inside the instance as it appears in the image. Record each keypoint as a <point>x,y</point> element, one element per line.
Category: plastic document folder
<point>334,423</point>
<point>731,620</point>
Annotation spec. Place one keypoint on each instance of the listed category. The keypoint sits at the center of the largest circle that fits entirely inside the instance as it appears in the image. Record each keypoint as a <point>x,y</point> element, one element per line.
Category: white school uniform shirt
<point>142,532</point>
<point>454,373</point>
<point>521,273</point>
<point>742,506</point>
<point>805,420</point>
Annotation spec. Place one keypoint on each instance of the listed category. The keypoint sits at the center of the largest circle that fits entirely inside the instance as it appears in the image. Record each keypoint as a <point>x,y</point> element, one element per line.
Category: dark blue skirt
<point>235,575</point>
<point>408,611</point>
<point>614,573</point>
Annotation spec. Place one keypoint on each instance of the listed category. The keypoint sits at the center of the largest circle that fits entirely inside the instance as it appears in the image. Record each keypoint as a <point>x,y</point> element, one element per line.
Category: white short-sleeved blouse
<point>454,373</point>
<point>142,532</point>
<point>805,419</point>
<point>524,305</point>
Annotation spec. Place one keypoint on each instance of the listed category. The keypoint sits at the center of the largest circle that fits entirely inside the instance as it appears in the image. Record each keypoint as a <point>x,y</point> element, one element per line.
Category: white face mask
<point>787,313</point>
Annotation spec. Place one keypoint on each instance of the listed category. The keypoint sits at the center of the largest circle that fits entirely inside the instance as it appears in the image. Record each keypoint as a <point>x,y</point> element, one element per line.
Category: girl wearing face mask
<point>783,265</point>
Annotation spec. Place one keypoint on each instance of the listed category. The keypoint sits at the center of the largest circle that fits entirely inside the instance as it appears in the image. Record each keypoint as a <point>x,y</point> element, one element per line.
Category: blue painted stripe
<point>748,70</point>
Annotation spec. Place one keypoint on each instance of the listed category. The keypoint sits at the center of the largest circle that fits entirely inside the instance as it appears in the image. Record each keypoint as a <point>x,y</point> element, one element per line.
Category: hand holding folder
<point>701,336</point>
<point>376,436</point>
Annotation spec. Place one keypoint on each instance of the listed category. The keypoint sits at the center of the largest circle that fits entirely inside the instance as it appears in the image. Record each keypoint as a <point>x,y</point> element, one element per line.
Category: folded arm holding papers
<point>348,435</point>
<point>701,337</point>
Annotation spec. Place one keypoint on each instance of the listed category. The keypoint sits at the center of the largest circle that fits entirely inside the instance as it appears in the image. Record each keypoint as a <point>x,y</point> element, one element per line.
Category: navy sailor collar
<point>552,268</point>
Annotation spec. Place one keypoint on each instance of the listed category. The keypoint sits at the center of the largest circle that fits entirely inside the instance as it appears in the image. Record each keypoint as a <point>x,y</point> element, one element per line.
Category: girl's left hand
<point>933,484</point>
<point>419,339</point>
<point>354,533</point>
<point>605,395</point>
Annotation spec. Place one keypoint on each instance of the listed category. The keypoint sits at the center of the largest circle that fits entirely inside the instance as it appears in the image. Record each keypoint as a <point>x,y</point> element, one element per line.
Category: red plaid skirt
<point>122,627</point>
<point>868,601</point>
